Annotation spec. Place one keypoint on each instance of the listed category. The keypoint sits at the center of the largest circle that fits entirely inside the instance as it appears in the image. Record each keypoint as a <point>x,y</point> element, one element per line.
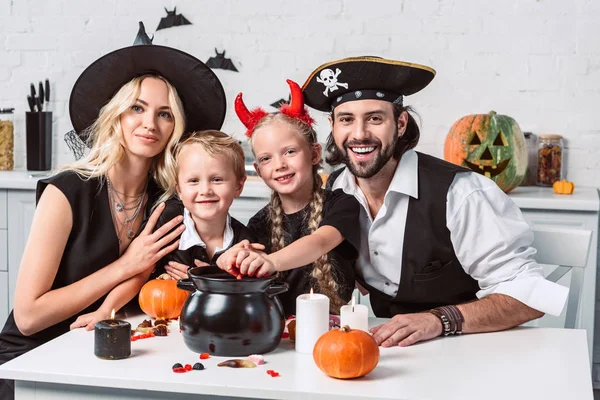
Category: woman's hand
<point>88,321</point>
<point>149,247</point>
<point>180,271</point>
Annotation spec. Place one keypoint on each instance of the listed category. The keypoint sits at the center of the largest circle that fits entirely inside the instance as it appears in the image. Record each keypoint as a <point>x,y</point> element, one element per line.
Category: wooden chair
<point>568,250</point>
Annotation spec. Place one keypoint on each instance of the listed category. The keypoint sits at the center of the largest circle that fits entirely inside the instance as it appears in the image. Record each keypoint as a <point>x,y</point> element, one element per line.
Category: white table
<point>524,363</point>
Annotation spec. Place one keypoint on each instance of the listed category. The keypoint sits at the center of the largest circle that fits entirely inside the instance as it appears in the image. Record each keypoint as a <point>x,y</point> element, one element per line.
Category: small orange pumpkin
<point>346,353</point>
<point>161,298</point>
<point>563,187</point>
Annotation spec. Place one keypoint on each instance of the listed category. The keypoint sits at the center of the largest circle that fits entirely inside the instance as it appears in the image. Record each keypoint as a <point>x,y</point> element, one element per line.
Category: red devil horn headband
<point>295,109</point>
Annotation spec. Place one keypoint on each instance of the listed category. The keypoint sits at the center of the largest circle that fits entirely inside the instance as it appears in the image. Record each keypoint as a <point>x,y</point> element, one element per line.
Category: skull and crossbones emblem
<point>329,78</point>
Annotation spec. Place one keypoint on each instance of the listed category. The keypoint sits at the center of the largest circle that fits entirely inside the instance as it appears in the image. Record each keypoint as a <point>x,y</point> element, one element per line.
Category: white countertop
<point>255,187</point>
<point>524,363</point>
<point>544,198</point>
<point>26,180</point>
<point>526,197</point>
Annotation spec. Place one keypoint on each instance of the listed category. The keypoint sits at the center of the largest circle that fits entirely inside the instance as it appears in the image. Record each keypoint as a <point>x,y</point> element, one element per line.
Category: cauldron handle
<point>277,288</point>
<point>186,284</point>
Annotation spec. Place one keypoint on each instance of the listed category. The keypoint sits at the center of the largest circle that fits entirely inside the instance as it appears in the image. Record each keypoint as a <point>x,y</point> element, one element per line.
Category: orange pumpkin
<point>563,187</point>
<point>346,353</point>
<point>161,298</point>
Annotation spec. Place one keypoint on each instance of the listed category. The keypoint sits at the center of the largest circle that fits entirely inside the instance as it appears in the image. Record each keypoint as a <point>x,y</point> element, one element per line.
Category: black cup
<point>38,128</point>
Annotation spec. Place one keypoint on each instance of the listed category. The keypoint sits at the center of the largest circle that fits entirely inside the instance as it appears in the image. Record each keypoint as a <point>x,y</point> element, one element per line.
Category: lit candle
<point>356,316</point>
<point>312,320</point>
<point>112,340</point>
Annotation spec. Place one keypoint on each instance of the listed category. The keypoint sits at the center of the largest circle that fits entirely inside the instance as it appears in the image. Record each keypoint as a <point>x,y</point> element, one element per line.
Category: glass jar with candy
<point>550,159</point>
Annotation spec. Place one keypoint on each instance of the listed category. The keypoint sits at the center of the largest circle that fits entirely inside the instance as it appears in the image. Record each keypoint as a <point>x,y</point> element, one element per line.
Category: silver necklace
<point>127,224</point>
<point>122,205</point>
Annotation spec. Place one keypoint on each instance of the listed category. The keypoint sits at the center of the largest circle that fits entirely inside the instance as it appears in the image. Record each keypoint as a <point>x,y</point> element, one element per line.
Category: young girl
<point>210,173</point>
<point>309,232</point>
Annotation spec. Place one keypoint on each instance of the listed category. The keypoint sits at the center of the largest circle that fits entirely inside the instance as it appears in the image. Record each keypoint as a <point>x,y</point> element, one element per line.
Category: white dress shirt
<point>190,236</point>
<point>490,238</point>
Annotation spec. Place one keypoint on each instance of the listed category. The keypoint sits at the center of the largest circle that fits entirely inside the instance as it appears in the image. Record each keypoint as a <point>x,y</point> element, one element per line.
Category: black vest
<point>431,274</point>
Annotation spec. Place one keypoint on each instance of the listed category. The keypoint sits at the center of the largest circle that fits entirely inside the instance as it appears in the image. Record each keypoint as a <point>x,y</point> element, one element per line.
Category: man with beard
<point>443,250</point>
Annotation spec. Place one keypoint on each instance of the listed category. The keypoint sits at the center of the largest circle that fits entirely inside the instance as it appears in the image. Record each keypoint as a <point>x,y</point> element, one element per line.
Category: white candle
<point>312,320</point>
<point>356,316</point>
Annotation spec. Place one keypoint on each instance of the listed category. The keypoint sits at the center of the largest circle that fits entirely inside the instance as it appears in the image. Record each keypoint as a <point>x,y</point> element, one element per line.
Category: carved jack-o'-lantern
<point>489,144</point>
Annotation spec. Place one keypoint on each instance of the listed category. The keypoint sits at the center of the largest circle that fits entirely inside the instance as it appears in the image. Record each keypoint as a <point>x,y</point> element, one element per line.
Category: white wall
<point>535,60</point>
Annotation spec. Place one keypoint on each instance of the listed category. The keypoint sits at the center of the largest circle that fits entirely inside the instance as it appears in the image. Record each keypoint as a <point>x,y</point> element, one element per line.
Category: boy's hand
<point>177,270</point>
<point>199,263</point>
<point>227,259</point>
<point>88,321</point>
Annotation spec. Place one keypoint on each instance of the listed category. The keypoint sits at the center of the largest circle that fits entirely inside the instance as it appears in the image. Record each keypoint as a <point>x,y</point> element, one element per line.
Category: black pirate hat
<point>360,78</point>
<point>198,87</point>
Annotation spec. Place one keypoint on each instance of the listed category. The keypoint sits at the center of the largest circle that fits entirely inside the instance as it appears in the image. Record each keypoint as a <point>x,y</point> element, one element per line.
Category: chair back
<point>568,250</point>
<point>568,247</point>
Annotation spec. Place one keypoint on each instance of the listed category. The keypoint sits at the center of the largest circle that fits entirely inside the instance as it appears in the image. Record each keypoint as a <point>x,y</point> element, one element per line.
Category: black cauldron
<point>225,316</point>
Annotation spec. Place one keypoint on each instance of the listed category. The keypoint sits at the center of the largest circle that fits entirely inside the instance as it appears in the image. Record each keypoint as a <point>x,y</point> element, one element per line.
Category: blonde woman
<point>89,251</point>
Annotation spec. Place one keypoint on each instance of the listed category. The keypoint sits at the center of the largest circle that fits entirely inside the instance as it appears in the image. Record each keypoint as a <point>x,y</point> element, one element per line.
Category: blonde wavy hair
<point>323,273</point>
<point>215,143</point>
<point>105,136</point>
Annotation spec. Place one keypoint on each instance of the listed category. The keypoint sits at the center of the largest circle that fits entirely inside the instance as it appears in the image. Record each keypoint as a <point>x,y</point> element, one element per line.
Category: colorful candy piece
<point>204,356</point>
<point>237,364</point>
<point>256,359</point>
<point>198,366</point>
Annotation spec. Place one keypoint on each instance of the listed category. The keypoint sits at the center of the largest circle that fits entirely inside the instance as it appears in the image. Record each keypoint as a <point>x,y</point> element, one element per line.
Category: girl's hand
<point>257,264</point>
<point>228,261</point>
<point>88,321</point>
<point>148,248</point>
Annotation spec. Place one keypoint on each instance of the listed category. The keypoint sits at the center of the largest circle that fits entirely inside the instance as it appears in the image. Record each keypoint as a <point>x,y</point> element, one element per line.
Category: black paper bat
<point>221,62</point>
<point>172,19</point>
<point>280,102</point>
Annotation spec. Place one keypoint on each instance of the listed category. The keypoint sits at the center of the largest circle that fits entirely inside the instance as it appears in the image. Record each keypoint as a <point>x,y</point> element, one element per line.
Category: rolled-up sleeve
<point>493,242</point>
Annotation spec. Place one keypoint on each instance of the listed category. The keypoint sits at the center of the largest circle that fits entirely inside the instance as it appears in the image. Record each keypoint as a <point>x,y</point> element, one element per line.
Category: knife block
<point>38,129</point>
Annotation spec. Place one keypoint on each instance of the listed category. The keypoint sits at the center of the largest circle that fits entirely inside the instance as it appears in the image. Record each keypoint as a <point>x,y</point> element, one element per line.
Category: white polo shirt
<point>491,239</point>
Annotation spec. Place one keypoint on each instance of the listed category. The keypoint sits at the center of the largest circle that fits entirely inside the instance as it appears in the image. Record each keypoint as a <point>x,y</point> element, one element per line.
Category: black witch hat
<point>198,87</point>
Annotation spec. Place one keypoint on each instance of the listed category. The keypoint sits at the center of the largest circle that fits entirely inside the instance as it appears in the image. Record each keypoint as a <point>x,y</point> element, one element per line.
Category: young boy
<point>210,171</point>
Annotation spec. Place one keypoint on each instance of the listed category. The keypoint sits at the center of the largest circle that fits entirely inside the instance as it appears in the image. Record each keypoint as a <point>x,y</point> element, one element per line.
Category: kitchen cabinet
<point>17,205</point>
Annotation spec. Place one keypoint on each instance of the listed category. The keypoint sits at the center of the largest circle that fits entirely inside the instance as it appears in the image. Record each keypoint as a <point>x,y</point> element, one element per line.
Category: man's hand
<point>407,329</point>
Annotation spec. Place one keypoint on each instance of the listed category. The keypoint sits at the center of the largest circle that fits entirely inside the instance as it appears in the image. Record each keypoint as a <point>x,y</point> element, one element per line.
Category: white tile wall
<point>535,60</point>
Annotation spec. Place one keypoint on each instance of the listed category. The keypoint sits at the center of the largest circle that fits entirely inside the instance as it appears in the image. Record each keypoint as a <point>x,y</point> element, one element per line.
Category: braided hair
<point>323,272</point>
